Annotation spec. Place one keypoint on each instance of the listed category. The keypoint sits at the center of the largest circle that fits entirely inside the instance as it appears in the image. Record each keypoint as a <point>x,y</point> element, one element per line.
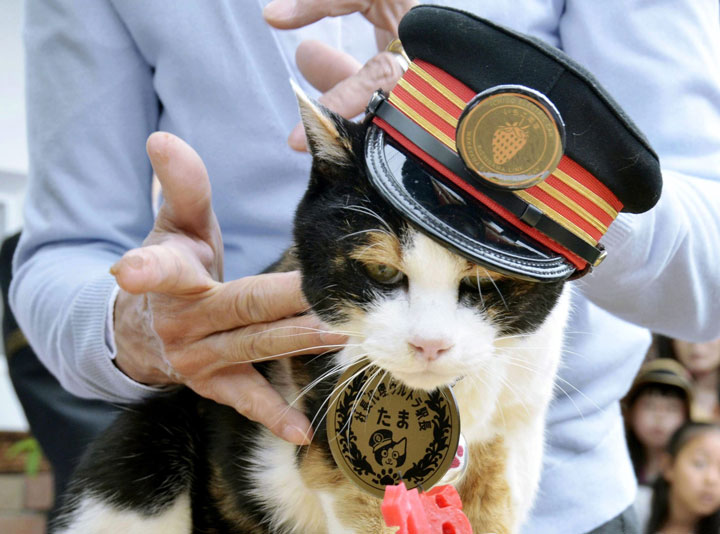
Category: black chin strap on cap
<point>507,253</point>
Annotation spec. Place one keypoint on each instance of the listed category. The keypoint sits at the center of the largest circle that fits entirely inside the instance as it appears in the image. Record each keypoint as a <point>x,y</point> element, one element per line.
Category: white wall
<point>13,151</point>
<point>13,166</point>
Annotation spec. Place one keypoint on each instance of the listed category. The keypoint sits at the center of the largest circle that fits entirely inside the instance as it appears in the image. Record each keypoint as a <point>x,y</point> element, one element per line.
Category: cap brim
<point>451,217</point>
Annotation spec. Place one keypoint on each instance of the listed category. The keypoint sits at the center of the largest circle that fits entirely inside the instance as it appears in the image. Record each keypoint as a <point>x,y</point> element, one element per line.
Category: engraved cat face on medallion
<point>381,431</point>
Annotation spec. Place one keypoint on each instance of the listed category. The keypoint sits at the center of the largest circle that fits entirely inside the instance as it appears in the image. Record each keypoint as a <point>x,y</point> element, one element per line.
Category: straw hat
<point>662,371</point>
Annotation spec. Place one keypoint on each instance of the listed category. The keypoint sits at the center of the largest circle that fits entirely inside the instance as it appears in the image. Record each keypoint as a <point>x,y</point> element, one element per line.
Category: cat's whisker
<point>309,331</point>
<point>573,353</point>
<point>341,385</point>
<point>360,395</point>
<point>336,369</point>
<point>334,394</point>
<point>368,231</point>
<point>474,378</point>
<point>337,389</point>
<point>580,332</point>
<point>496,288</point>
<point>482,299</point>
<point>508,353</point>
<point>367,211</point>
<point>506,384</point>
<point>304,391</point>
<point>513,361</point>
<point>328,349</point>
<point>368,247</point>
<point>372,396</point>
<point>522,364</point>
<point>577,408</point>
<point>513,336</point>
<point>327,296</point>
<point>591,401</point>
<point>541,347</point>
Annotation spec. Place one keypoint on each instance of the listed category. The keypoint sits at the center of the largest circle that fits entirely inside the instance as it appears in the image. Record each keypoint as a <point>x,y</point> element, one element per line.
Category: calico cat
<point>180,463</point>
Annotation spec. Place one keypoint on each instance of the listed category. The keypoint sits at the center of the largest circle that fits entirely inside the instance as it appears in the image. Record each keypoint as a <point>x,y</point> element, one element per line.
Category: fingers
<point>259,299</point>
<point>185,184</point>
<point>287,14</point>
<point>350,96</point>
<point>243,388</point>
<point>280,339</point>
<point>161,269</point>
<point>324,66</point>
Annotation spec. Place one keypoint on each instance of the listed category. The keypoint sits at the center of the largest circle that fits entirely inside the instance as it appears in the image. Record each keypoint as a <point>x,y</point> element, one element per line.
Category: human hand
<point>176,322</point>
<point>346,84</point>
<point>288,14</point>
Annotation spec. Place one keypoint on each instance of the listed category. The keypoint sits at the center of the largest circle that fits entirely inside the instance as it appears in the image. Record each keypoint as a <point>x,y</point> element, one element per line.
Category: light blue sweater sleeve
<point>661,61</point>
<point>101,76</point>
<point>93,106</point>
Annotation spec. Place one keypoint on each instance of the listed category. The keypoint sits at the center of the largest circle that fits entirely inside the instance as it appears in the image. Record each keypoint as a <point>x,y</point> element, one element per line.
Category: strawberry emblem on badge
<point>510,136</point>
<point>507,141</point>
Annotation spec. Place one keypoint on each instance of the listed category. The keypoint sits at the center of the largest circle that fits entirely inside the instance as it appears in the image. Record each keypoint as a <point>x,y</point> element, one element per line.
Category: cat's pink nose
<point>429,348</point>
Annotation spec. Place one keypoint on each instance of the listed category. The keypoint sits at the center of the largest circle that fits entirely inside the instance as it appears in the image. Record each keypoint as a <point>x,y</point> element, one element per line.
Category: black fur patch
<point>330,221</point>
<point>514,306</point>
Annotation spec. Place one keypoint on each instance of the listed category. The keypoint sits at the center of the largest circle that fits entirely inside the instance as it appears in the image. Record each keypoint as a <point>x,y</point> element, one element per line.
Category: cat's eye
<point>473,282</point>
<point>383,273</point>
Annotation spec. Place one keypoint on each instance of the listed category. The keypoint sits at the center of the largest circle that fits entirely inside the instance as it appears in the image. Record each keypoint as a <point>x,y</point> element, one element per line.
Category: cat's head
<point>410,305</point>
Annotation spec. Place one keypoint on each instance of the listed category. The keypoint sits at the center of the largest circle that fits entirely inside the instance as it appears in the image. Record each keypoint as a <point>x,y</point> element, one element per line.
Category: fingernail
<point>296,435</point>
<point>157,146</point>
<point>297,140</point>
<point>279,9</point>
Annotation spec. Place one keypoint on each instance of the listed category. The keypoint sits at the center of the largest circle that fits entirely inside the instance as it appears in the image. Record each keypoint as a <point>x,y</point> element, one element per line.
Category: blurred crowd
<point>672,419</point>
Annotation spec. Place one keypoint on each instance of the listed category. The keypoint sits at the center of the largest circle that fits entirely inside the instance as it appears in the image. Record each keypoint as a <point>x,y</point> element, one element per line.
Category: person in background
<point>686,498</point>
<point>703,362</point>
<point>659,402</point>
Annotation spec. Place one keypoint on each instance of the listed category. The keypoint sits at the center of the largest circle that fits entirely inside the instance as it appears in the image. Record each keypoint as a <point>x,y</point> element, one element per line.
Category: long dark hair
<point>660,504</point>
<point>638,456</point>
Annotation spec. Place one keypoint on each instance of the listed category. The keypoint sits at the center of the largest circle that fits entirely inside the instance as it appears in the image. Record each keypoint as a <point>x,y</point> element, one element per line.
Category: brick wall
<point>24,499</point>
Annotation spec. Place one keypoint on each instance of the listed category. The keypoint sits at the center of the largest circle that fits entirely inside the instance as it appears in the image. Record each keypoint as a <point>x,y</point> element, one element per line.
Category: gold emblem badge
<point>511,136</point>
<point>381,432</point>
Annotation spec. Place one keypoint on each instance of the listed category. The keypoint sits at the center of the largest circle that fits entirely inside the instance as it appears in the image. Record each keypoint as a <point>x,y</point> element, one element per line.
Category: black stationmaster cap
<point>504,149</point>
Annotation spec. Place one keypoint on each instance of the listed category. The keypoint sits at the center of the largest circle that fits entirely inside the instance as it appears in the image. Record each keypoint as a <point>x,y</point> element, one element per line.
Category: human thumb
<point>185,185</point>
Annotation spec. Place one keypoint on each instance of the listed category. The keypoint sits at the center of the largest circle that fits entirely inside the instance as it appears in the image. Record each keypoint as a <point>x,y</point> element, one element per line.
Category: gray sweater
<point>102,75</point>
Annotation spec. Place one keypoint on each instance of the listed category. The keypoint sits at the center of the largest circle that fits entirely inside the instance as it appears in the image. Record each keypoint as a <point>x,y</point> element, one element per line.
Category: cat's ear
<point>325,131</point>
<point>401,446</point>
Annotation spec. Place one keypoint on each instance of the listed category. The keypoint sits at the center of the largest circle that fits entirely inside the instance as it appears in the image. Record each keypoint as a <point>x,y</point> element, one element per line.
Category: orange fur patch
<point>484,489</point>
<point>381,248</point>
<point>355,509</point>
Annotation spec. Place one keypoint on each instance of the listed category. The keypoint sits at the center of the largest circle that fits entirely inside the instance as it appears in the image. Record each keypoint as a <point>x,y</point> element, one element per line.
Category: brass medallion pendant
<point>381,431</point>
